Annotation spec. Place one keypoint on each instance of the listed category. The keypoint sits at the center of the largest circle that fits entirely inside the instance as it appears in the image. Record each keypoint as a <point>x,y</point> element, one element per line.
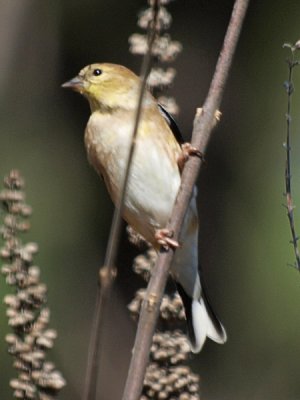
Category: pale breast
<point>154,177</point>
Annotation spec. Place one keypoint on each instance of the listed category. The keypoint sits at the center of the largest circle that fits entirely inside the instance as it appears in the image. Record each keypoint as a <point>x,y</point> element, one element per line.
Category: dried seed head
<point>27,317</point>
<point>164,19</point>
<point>159,77</point>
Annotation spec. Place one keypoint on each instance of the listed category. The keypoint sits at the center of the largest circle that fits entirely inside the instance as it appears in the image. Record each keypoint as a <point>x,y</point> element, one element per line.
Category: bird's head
<point>106,86</point>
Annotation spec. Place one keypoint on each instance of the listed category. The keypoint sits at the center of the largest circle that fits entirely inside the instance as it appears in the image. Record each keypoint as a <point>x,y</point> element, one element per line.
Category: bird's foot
<point>164,238</point>
<point>187,150</point>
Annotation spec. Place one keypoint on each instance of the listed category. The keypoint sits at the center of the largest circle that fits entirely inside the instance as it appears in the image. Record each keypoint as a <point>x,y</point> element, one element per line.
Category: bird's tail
<point>202,322</point>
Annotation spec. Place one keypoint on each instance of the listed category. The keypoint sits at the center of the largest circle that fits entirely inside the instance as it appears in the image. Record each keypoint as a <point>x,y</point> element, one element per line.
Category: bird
<point>112,92</point>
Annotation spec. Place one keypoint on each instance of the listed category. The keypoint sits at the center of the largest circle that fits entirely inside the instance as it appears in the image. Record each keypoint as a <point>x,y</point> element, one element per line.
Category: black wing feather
<point>172,124</point>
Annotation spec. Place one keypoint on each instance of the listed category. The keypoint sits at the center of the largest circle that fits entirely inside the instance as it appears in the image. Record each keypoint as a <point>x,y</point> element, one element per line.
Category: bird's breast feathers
<point>154,178</point>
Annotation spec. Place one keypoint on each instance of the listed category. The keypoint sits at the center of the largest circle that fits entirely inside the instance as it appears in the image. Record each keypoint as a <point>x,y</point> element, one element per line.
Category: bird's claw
<point>191,150</point>
<point>187,151</point>
<point>164,238</point>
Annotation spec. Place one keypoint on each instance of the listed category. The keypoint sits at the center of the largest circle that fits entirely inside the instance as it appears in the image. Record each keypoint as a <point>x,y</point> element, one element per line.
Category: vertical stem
<point>108,272</point>
<point>288,177</point>
<point>201,134</point>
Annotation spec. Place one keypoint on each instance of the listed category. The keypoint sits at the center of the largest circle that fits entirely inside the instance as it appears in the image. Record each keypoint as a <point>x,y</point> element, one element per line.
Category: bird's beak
<point>75,84</point>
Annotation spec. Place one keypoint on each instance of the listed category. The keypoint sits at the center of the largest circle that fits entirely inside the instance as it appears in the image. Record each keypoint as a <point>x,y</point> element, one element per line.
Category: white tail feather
<point>199,316</point>
<point>204,327</point>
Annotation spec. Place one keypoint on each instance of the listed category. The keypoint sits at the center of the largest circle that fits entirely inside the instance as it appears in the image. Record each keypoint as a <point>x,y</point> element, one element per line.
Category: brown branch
<point>201,133</point>
<point>107,273</point>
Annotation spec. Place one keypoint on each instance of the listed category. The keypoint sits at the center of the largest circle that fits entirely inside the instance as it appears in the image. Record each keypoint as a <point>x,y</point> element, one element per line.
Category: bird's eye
<point>97,72</point>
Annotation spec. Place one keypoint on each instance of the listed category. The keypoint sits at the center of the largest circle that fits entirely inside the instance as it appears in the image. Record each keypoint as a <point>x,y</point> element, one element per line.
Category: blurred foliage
<point>244,230</point>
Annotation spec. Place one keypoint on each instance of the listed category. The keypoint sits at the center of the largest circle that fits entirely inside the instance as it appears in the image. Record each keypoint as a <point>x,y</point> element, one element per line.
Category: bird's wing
<point>172,124</point>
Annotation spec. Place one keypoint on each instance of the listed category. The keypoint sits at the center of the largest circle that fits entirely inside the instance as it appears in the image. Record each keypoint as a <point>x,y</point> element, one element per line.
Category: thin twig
<point>201,133</point>
<point>292,63</point>
<point>107,273</point>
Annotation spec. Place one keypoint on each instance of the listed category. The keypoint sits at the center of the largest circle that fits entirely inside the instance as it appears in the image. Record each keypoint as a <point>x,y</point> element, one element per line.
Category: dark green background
<point>244,239</point>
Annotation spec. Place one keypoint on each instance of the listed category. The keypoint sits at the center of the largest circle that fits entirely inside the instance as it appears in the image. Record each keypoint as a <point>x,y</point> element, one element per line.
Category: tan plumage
<point>112,91</point>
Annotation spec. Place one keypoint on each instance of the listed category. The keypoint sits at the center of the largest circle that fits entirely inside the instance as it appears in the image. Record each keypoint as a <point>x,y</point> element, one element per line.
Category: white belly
<point>154,180</point>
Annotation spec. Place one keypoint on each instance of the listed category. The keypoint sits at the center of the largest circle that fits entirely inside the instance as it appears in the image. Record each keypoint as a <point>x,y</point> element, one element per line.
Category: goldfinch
<point>112,92</point>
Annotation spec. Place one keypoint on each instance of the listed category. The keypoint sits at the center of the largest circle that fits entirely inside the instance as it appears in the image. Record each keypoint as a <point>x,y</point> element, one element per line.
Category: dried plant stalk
<point>108,272</point>
<point>164,50</point>
<point>289,86</point>
<point>28,315</point>
<point>202,131</point>
<point>167,375</point>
